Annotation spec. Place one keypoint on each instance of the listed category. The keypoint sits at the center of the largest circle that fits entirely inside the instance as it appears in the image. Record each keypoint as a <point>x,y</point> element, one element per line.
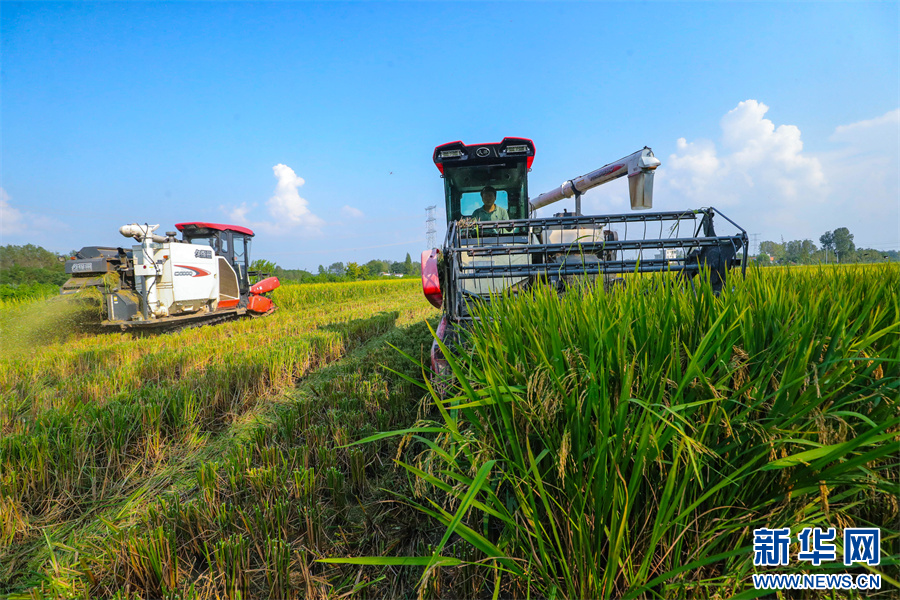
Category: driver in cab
<point>490,211</point>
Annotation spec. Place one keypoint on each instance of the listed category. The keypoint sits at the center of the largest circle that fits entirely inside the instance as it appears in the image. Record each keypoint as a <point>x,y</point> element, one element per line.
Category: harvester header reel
<point>497,255</point>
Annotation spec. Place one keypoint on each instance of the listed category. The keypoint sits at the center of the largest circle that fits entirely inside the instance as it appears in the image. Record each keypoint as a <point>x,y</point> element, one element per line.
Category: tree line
<point>835,247</point>
<point>338,271</point>
<point>29,271</point>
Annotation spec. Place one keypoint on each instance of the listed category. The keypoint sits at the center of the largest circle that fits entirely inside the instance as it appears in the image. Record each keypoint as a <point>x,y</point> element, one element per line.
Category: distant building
<point>667,254</point>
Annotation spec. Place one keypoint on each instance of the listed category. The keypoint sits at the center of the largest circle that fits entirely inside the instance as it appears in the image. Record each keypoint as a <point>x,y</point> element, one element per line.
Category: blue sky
<point>314,123</point>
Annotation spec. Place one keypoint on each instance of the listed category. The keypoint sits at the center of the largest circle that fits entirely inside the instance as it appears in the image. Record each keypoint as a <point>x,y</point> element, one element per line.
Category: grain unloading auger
<point>482,256</point>
<point>165,283</point>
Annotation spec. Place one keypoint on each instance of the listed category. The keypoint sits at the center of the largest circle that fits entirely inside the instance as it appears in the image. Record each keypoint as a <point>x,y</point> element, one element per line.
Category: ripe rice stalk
<point>636,436</point>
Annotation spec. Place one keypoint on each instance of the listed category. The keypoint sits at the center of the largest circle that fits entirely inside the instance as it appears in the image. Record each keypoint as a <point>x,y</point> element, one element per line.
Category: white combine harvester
<point>163,282</point>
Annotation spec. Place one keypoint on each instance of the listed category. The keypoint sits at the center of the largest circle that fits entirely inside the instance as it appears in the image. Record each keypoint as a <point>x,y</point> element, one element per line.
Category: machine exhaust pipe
<point>140,232</point>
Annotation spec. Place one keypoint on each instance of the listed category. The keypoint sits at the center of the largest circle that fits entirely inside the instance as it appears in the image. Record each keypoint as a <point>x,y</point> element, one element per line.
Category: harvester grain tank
<point>163,282</point>
<point>482,258</point>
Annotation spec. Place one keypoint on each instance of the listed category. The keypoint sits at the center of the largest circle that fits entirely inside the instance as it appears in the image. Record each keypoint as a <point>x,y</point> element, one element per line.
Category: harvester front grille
<point>488,257</point>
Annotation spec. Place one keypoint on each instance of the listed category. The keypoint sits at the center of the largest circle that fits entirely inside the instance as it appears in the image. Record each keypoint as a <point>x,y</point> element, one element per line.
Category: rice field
<point>97,428</point>
<point>615,444</point>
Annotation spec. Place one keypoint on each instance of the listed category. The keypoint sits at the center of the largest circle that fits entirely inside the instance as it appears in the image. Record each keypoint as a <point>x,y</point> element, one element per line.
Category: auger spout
<point>638,166</point>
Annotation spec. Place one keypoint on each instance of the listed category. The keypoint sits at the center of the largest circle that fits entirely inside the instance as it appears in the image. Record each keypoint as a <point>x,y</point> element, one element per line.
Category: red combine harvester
<point>495,243</point>
<point>165,283</point>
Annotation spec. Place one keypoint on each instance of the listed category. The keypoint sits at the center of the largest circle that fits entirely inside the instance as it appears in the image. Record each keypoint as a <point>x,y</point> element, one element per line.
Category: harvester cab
<point>468,170</point>
<point>481,256</point>
<point>165,283</point>
<point>229,242</point>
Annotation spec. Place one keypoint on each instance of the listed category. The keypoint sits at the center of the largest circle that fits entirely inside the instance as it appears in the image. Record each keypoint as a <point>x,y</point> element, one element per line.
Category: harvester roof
<point>467,170</point>
<point>457,154</point>
<point>198,227</point>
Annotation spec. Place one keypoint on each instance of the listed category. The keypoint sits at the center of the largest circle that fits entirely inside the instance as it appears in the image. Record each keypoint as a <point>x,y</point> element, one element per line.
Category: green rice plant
<point>626,443</point>
<point>312,529</point>
<point>232,561</point>
<point>154,563</point>
<point>334,480</point>
<point>208,480</point>
<point>262,482</point>
<point>358,479</point>
<point>278,563</point>
<point>12,521</point>
<point>304,484</point>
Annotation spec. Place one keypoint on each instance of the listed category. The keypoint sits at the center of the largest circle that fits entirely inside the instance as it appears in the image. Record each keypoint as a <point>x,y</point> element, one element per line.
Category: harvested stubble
<point>626,444</point>
<point>92,425</point>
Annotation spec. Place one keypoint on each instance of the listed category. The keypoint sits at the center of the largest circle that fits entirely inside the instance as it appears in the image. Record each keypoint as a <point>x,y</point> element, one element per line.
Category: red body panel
<point>216,226</point>
<point>266,285</point>
<point>505,141</point>
<point>431,282</point>
<point>228,303</point>
<point>259,304</point>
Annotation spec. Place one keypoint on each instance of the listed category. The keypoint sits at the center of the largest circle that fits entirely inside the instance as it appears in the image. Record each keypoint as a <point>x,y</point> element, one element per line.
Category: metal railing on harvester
<point>488,257</point>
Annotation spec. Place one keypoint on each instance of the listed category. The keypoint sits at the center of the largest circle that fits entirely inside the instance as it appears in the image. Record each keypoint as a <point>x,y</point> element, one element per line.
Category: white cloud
<point>289,211</point>
<point>22,226</point>
<point>884,127</point>
<point>238,214</point>
<point>864,172</point>
<point>352,213</point>
<point>286,206</point>
<point>10,218</point>
<point>761,176</point>
<point>762,165</point>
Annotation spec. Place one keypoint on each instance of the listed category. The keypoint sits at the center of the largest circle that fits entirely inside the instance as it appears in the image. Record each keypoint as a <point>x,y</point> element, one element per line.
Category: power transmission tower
<point>755,244</point>
<point>429,226</point>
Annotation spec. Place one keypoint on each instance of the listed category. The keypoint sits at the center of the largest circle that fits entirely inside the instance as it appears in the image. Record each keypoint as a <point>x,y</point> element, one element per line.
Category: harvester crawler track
<point>173,324</point>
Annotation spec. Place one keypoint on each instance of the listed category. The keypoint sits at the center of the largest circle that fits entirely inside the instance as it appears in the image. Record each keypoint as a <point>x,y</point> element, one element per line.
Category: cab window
<point>239,249</point>
<point>204,241</point>
<point>472,200</point>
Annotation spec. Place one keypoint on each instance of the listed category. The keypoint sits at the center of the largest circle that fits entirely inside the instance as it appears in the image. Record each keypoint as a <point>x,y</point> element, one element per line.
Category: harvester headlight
<point>450,154</point>
<point>522,149</point>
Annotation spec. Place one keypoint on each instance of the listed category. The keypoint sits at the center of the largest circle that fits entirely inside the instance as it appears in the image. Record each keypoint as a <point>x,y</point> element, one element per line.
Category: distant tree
<point>31,264</point>
<point>263,266</point>
<point>322,270</point>
<point>354,271</point>
<point>408,268</point>
<point>773,249</point>
<point>397,267</point>
<point>336,268</point>
<point>29,256</point>
<point>843,242</point>
<point>293,274</point>
<point>827,241</point>
<point>799,251</point>
<point>376,267</point>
